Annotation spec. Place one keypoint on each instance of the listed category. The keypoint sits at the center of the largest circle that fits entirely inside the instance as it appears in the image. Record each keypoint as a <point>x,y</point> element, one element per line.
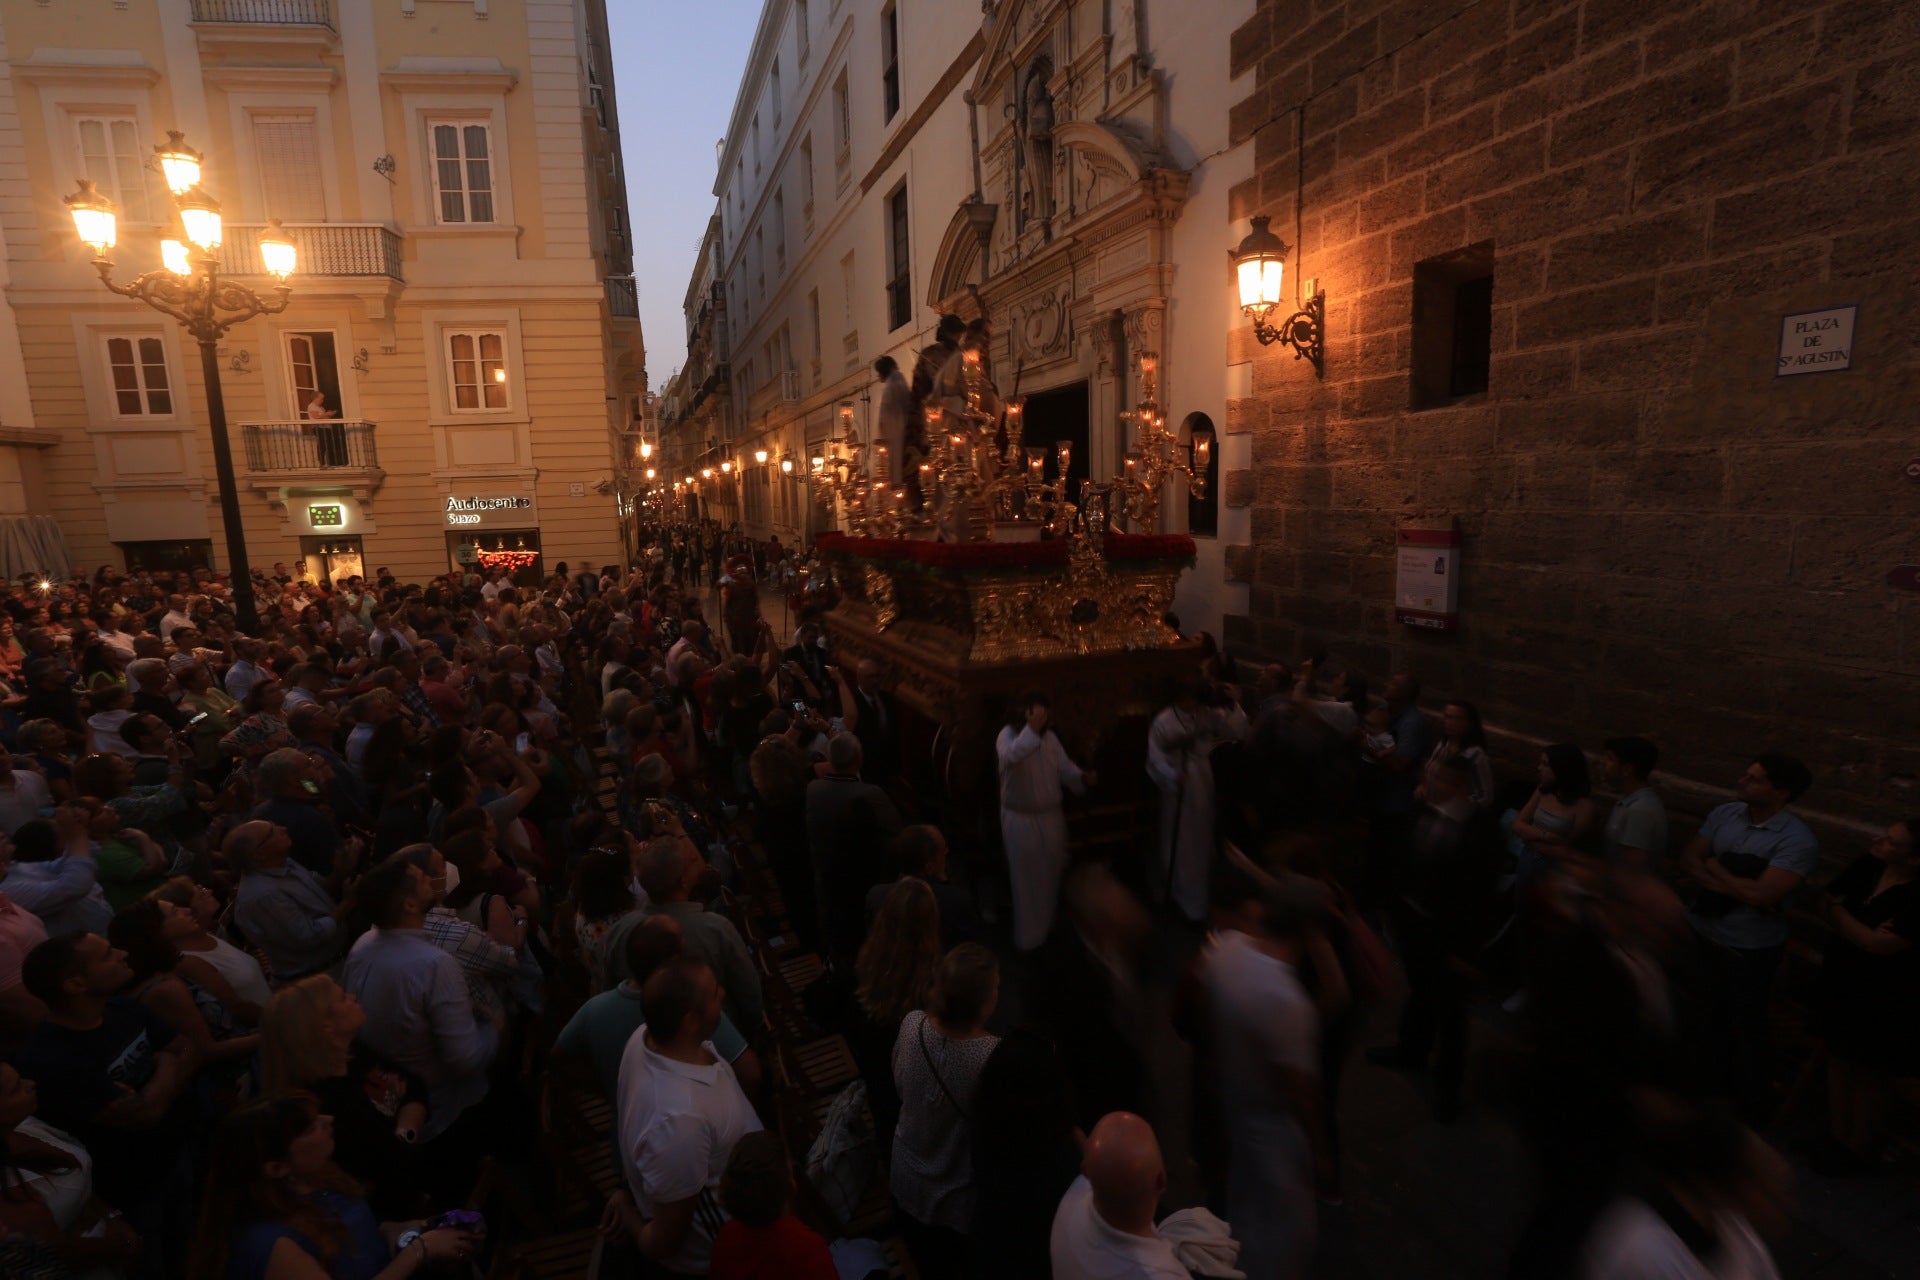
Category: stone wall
<point>1660,535</point>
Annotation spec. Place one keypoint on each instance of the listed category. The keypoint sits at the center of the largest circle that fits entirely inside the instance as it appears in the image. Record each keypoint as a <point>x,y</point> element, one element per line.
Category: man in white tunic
<point>1033,769</point>
<point>1179,749</point>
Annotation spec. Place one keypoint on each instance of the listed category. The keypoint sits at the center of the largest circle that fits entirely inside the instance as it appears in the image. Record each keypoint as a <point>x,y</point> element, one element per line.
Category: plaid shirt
<point>420,706</point>
<point>486,964</point>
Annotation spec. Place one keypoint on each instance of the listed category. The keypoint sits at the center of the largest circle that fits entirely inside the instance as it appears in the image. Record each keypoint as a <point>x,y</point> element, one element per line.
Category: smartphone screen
<point>521,743</point>
<point>799,707</point>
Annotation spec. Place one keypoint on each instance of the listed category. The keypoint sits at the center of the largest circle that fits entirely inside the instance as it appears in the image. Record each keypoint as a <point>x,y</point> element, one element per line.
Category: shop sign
<point>329,516</point>
<point>475,509</point>
<point>1816,342</point>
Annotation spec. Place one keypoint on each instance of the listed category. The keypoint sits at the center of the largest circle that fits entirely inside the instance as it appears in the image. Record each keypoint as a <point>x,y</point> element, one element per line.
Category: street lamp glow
<point>760,456</point>
<point>276,251</point>
<point>1260,262</point>
<point>706,473</point>
<point>651,473</point>
<point>200,215</point>
<point>499,375</point>
<point>179,163</point>
<point>93,219</point>
<point>646,450</point>
<point>727,465</point>
<point>786,465</point>
<point>175,258</point>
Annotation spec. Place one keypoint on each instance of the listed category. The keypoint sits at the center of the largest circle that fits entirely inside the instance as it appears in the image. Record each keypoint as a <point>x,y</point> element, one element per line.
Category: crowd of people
<point>299,927</point>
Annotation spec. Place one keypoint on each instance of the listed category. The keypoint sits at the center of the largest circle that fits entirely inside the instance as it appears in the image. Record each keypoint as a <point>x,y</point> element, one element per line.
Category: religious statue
<point>1037,144</point>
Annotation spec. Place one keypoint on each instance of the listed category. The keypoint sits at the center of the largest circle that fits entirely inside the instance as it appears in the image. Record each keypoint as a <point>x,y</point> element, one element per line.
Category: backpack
<point>842,1160</point>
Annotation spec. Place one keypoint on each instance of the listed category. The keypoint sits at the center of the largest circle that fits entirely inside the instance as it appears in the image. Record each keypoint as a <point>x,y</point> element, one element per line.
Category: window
<point>773,92</point>
<point>846,294</point>
<point>111,155</point>
<point>842,114</point>
<point>316,376</point>
<point>477,369</point>
<point>899,267</point>
<point>779,233</point>
<point>287,151</point>
<point>463,170</point>
<point>813,330</point>
<point>171,557</point>
<point>1452,326</point>
<point>1203,513</point>
<point>806,173</point>
<point>139,370</point>
<point>890,61</point>
<point>801,35</point>
<point>756,142</point>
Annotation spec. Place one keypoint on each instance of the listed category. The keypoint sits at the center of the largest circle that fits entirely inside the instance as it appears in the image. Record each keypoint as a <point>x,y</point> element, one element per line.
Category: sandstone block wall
<point>1660,535</point>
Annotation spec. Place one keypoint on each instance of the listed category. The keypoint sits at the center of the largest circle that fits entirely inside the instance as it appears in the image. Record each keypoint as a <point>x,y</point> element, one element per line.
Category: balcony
<point>280,13</point>
<point>623,297</point>
<point>309,446</point>
<point>324,249</point>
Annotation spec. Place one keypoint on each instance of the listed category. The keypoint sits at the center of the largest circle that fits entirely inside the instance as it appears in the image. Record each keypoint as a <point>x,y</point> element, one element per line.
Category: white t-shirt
<point>1632,1242</point>
<point>678,1123</point>
<point>1085,1247</point>
<point>1262,1018</point>
<point>22,803</point>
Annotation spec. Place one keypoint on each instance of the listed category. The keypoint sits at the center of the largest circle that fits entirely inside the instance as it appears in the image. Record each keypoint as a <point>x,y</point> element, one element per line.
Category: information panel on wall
<point>1426,582</point>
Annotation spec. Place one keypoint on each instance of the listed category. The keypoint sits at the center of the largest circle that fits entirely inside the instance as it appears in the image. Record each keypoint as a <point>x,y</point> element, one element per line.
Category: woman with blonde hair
<point>894,973</point>
<point>307,1043</point>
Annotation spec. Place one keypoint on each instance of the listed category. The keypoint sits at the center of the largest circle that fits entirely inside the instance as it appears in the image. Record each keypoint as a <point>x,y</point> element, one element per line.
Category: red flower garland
<point>1149,546</point>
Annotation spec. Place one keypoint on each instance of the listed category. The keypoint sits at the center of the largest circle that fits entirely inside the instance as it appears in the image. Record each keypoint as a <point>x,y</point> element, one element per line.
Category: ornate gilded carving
<point>881,596</point>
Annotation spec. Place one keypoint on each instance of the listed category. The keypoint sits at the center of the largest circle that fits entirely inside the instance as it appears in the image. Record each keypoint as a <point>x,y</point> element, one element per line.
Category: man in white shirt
<point>175,616</point>
<point>680,1111</point>
<point>1104,1228</point>
<point>1266,1059</point>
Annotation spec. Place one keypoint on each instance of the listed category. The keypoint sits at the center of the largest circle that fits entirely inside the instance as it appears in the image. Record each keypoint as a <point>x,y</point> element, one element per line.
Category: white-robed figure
<point>1179,747</point>
<point>1034,769</point>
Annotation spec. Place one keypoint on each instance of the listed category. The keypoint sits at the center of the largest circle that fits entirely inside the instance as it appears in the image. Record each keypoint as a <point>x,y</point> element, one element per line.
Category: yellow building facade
<point>461,361</point>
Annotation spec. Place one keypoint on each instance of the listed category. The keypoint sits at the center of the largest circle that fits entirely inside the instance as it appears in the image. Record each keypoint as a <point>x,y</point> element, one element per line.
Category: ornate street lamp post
<point>189,287</point>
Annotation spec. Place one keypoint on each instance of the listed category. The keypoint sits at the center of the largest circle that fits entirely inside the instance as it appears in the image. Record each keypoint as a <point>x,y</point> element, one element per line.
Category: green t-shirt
<point>122,873</point>
<point>601,1027</point>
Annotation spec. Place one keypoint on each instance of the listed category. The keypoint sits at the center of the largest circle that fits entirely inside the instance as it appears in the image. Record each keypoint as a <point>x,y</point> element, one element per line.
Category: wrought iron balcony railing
<point>322,445</point>
<point>324,249</point>
<point>286,13</point>
<point>623,298</point>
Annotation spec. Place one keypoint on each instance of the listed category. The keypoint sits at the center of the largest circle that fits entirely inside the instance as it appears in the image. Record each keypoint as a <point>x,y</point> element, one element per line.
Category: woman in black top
<point>307,1043</point>
<point>1868,987</point>
<point>1026,1153</point>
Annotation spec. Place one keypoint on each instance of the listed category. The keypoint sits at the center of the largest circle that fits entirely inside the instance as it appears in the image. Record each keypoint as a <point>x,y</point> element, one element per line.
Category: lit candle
<point>1065,456</point>
<point>882,462</point>
<point>899,499</point>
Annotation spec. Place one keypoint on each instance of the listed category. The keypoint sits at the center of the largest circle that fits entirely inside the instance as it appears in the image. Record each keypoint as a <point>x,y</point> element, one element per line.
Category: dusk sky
<point>676,65</point>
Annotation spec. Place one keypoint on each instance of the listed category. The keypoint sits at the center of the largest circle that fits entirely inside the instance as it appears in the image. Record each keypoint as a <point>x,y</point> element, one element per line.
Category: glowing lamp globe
<point>93,217</point>
<point>1260,262</point>
<point>277,251</point>
<point>179,163</point>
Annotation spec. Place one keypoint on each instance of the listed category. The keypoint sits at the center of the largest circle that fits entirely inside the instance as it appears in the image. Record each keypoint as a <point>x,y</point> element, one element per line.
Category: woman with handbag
<point>937,1060</point>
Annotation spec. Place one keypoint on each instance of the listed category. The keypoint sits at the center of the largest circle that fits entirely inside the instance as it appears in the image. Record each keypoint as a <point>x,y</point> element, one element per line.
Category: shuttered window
<point>288,150</point>
<point>138,367</point>
<point>463,170</point>
<point>111,155</point>
<point>477,368</point>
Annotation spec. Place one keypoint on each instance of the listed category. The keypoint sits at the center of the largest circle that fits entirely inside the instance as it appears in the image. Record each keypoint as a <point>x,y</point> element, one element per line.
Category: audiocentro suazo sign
<point>478,510</point>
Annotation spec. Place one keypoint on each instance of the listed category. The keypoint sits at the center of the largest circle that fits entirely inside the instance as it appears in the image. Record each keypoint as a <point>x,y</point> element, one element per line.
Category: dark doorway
<point>1056,415</point>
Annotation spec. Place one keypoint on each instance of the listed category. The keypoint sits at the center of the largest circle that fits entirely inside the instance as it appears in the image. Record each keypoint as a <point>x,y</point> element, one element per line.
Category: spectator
<point>210,961</point>
<point>680,1113</point>
<point>921,853</point>
<point>1265,1051</point>
<point>309,1043</point>
<point>48,868</point>
<point>894,976</point>
<point>836,878</point>
<point>670,866</point>
<point>1869,984</point>
<point>936,1066</point>
<point>419,1015</point>
<point>1462,734</point>
<point>1636,832</point>
<point>114,1076</point>
<point>762,1239</point>
<point>278,1206</point>
<point>281,907</point>
<point>1104,1228</point>
<point>289,794</point>
<point>147,932</point>
<point>1026,1153</point>
<point>606,909</point>
<point>49,1200</point>
<point>1749,856</point>
<point>1548,830</point>
<point>23,794</point>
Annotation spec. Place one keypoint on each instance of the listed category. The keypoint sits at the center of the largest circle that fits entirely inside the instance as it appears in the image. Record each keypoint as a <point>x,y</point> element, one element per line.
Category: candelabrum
<point>1154,455</point>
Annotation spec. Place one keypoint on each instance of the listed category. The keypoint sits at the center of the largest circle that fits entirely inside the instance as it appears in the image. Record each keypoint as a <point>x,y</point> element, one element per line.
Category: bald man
<point>1104,1228</point>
